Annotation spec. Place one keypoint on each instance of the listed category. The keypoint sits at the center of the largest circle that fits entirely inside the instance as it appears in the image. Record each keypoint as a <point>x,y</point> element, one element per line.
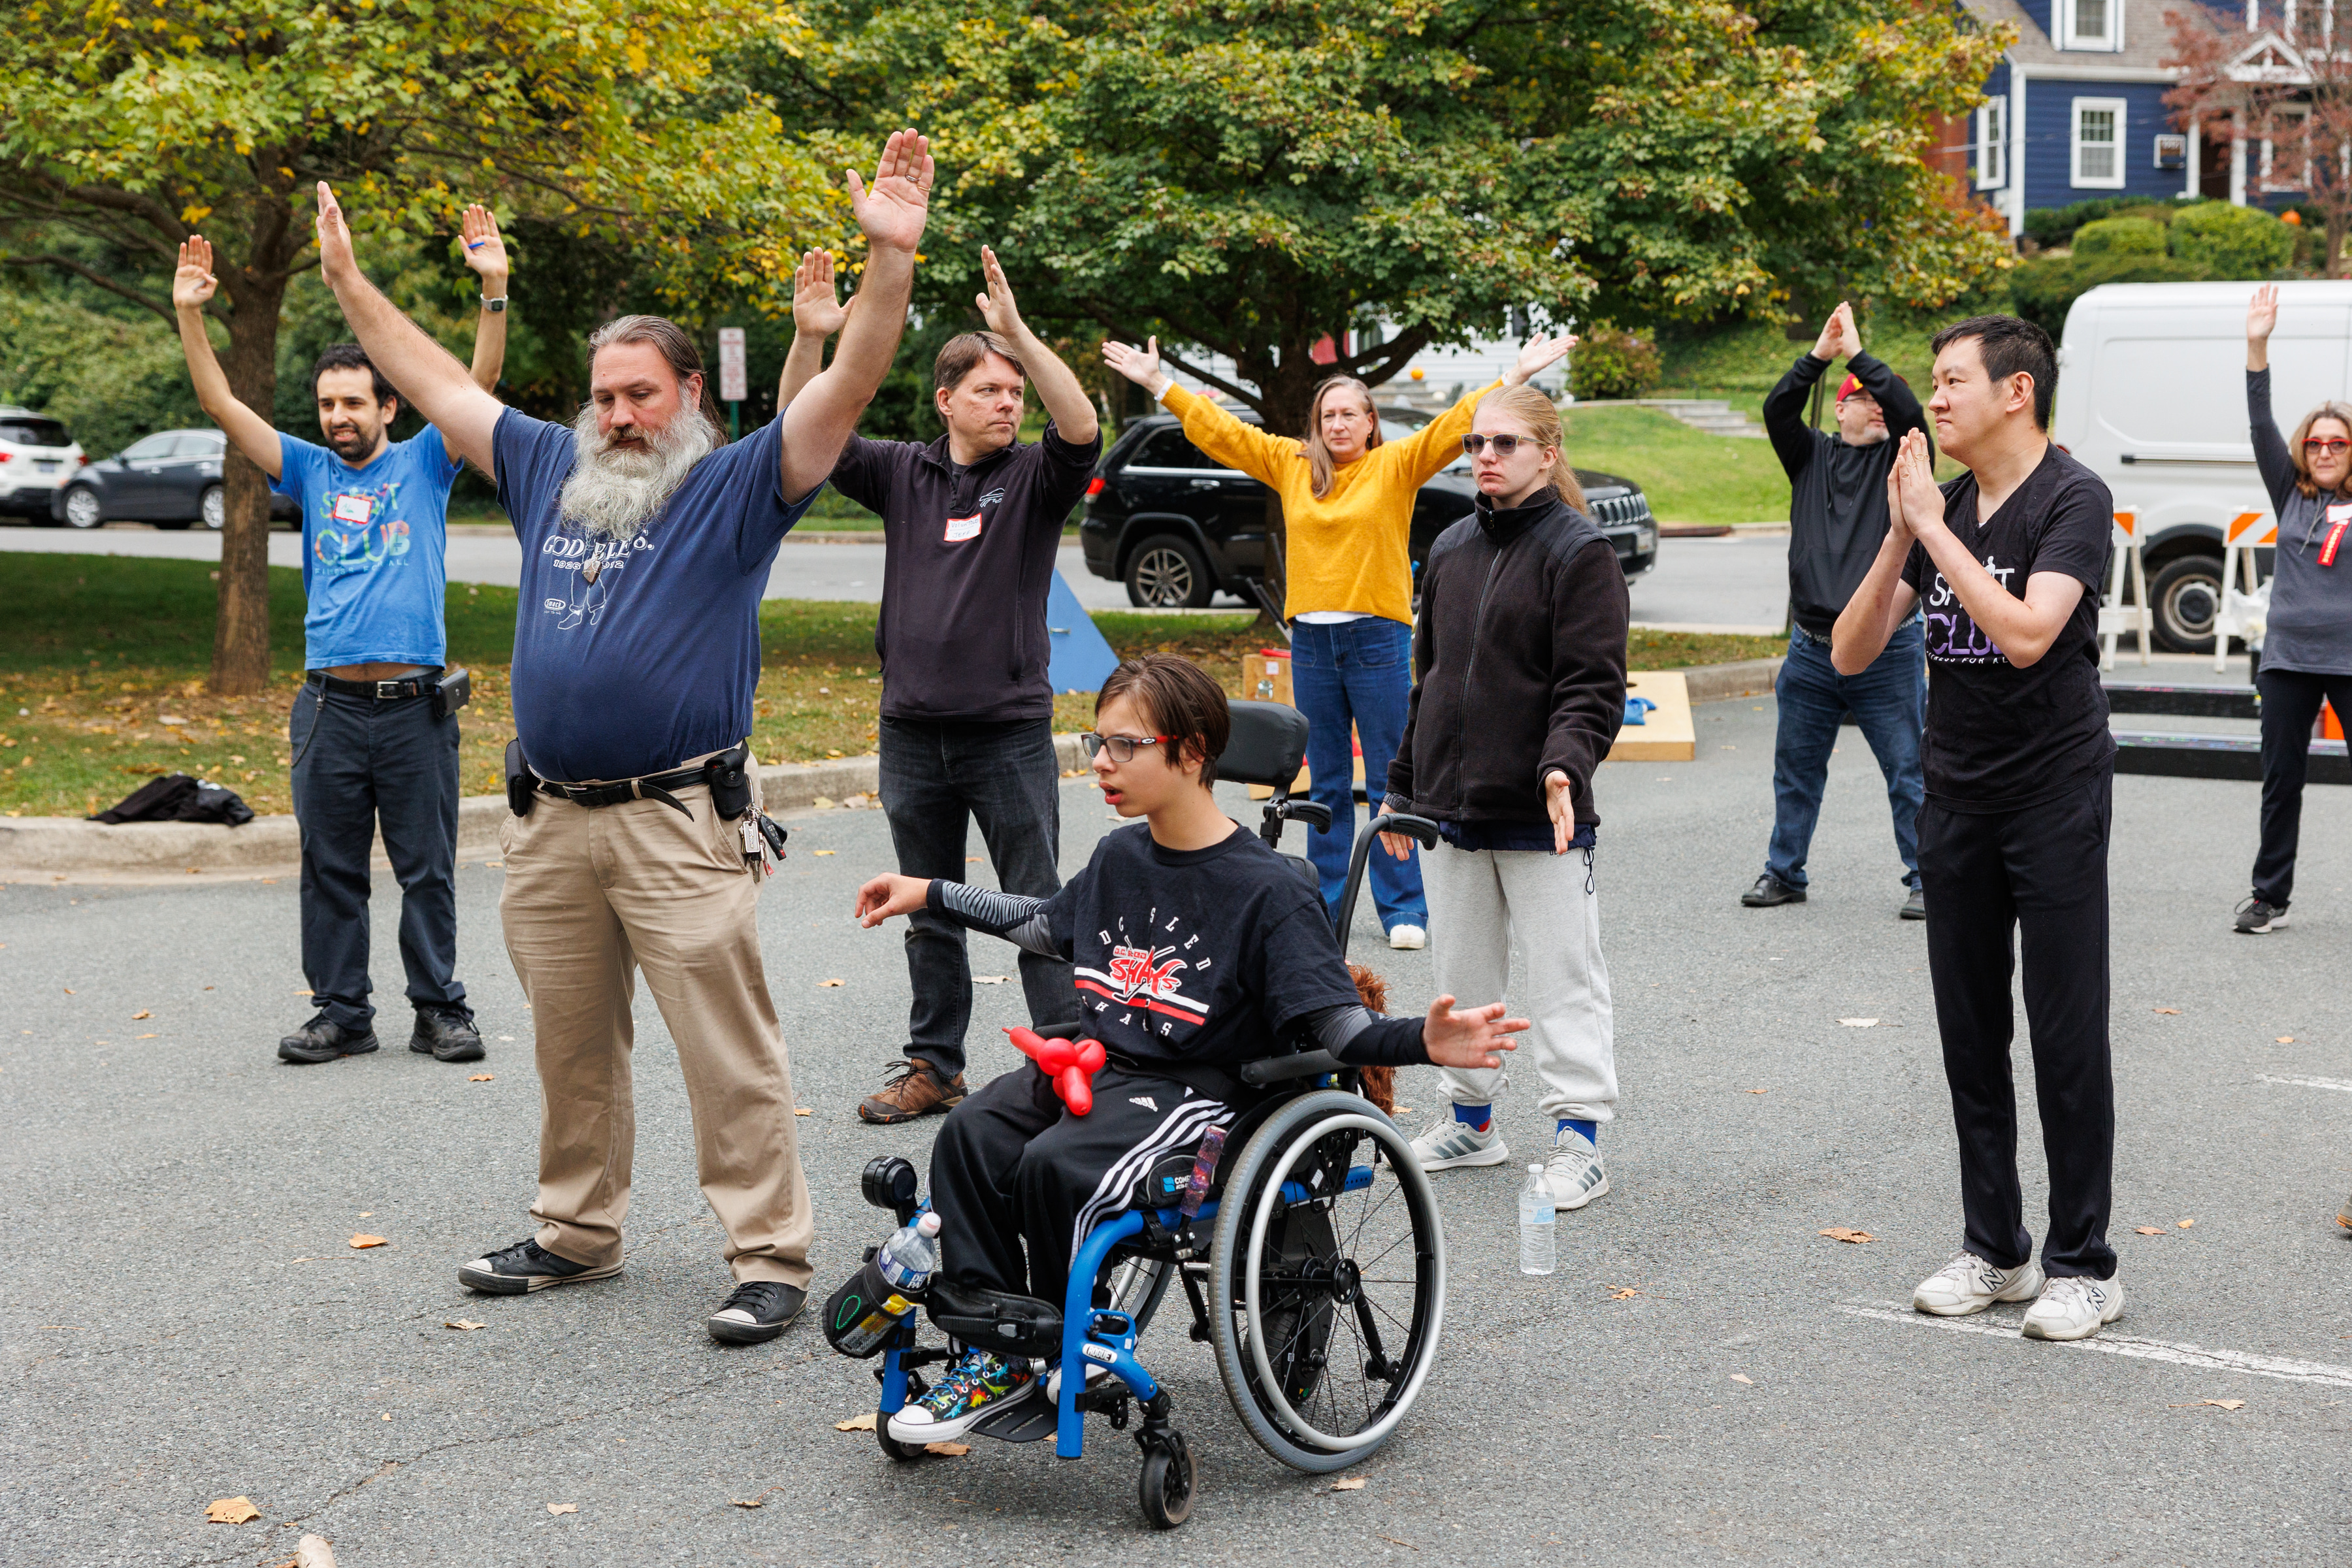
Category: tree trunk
<point>241,632</point>
<point>2332,265</point>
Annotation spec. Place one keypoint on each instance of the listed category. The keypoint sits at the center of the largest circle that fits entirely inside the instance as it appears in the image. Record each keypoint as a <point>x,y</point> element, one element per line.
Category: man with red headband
<point>1837,516</point>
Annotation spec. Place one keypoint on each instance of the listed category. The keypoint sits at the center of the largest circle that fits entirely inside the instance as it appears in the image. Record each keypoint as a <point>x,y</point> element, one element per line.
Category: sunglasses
<point>2333,446</point>
<point>1504,445</point>
<point>1122,748</point>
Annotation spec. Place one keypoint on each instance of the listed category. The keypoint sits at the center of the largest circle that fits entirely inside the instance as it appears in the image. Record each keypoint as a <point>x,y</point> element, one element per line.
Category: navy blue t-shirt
<point>653,659</point>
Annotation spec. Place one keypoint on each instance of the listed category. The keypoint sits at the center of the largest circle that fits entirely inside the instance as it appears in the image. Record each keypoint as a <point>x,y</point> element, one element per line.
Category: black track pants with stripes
<point>1012,1164</point>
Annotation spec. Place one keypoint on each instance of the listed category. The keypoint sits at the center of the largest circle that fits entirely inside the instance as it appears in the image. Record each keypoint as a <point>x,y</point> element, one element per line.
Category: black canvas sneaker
<point>526,1267</point>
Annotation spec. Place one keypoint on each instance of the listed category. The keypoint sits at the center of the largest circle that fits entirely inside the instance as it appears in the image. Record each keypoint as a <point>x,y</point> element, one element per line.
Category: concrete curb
<point>1722,682</point>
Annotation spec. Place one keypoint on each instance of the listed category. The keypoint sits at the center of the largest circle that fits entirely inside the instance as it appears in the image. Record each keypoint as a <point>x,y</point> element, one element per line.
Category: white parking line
<point>2343,1083</point>
<point>2114,1344</point>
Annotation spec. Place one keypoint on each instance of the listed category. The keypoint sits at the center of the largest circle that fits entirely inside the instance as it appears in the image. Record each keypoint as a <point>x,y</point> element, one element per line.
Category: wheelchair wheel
<point>1165,1488</point>
<point>902,1452</point>
<point>1328,1291</point>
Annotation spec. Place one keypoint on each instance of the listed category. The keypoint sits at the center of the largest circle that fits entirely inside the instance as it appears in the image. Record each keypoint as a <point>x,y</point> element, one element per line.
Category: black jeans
<point>359,761</point>
<point>2041,872</point>
<point>938,776</point>
<point>2290,706</point>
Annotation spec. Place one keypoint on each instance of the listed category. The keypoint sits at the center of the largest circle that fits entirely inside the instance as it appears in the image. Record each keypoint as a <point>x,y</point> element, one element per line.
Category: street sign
<point>731,364</point>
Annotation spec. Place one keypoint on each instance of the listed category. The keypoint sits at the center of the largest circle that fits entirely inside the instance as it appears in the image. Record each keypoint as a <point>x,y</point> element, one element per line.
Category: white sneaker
<point>1574,1172</point>
<point>1969,1284</point>
<point>1095,1372</point>
<point>2072,1307</point>
<point>1445,1144</point>
<point>1408,939</point>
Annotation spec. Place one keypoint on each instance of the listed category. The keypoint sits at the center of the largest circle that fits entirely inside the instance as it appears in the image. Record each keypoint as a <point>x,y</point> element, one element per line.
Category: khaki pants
<point>591,897</point>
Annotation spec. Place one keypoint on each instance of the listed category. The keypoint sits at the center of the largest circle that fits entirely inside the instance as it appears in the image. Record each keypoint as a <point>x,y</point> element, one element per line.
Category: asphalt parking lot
<point>1705,1379</point>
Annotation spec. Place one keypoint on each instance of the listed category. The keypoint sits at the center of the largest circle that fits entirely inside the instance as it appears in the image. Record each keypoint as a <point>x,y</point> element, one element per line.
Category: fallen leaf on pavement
<point>1351,1484</point>
<point>952,1450</point>
<point>990,979</point>
<point>149,1036</point>
<point>2286,1039</point>
<point>563,1508</point>
<point>1859,1023</point>
<point>460,1323</point>
<point>803,1110</point>
<point>823,984</point>
<point>2174,1011</point>
<point>359,1243</point>
<point>1756,1092</point>
<point>855,1424</point>
<point>2224,1403</point>
<point>482,1078</point>
<point>312,1552</point>
<point>142,1013</point>
<point>1624,1292</point>
<point>821,851</point>
<point>972,859</point>
<point>232,1511</point>
<point>2186,1223</point>
<point>2146,1230</point>
<point>1743,1377</point>
<point>1841,1233</point>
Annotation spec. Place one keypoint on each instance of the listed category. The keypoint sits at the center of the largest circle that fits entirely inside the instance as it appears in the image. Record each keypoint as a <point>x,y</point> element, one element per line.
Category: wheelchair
<point>1314,1268</point>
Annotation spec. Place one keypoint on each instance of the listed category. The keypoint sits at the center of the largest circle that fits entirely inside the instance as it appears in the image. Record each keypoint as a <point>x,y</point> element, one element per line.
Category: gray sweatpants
<point>1484,902</point>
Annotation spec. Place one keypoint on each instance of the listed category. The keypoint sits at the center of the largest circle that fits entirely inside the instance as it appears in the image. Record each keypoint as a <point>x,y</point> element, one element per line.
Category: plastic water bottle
<point>1538,1225</point>
<point>908,1259</point>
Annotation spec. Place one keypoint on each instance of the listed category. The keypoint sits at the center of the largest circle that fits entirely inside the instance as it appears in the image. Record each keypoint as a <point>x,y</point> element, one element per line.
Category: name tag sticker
<point>962,528</point>
<point>354,508</point>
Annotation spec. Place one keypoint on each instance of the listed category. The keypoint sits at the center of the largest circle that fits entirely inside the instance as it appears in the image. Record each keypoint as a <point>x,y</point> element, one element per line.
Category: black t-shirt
<point>1195,958</point>
<point>2000,738</point>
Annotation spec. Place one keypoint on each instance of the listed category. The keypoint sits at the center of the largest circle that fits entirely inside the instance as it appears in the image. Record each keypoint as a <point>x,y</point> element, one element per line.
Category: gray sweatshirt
<point>2310,622</point>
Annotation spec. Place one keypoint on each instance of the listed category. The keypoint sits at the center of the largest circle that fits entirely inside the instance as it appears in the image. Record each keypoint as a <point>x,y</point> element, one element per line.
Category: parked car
<point>37,455</point>
<point>2152,398</point>
<point>172,479</point>
<point>1176,527</point>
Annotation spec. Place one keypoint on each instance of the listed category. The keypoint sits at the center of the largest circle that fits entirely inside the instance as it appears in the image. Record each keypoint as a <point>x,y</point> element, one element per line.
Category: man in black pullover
<point>1837,516</point>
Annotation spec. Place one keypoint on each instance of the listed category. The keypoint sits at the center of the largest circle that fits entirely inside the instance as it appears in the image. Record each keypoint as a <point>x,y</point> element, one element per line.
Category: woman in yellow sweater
<point>1347,507</point>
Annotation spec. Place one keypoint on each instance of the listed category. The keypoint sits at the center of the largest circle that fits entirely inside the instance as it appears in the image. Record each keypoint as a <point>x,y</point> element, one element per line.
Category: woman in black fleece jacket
<point>1518,690</point>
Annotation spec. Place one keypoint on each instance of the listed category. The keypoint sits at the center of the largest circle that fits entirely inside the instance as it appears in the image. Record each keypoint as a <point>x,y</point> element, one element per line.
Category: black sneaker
<point>447,1034</point>
<point>526,1267</point>
<point>2258,917</point>
<point>1769,891</point>
<point>758,1310</point>
<point>324,1040</point>
<point>1914,907</point>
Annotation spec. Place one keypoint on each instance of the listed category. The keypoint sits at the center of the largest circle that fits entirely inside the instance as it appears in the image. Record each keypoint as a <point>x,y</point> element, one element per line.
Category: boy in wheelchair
<point>1198,948</point>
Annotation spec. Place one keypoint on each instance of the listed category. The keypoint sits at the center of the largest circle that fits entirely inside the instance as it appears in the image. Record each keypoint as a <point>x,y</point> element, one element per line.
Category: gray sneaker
<point>1574,1173</point>
<point>1969,1284</point>
<point>2073,1307</point>
<point>1445,1144</point>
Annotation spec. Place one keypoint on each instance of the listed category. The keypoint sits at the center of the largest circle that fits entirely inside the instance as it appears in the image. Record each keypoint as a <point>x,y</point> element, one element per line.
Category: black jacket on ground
<point>1518,665</point>
<point>1837,507</point>
<point>969,560</point>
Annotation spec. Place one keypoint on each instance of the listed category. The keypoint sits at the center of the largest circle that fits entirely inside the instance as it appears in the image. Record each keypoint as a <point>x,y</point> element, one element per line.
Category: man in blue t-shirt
<point>374,740</point>
<point>646,544</point>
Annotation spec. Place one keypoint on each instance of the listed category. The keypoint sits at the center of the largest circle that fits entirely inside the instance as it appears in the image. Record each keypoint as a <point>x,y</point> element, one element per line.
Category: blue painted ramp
<point>1082,660</point>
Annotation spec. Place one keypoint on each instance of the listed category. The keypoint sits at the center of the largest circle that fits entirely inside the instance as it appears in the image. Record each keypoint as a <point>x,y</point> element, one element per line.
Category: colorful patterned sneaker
<point>2072,1307</point>
<point>1445,1144</point>
<point>1969,1284</point>
<point>979,1384</point>
<point>1574,1173</point>
<point>2258,917</point>
<point>914,1090</point>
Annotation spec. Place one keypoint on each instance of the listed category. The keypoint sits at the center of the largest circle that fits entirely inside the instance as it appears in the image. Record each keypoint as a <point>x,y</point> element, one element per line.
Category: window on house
<point>1992,145</point>
<point>2099,161</point>
<point>2091,24</point>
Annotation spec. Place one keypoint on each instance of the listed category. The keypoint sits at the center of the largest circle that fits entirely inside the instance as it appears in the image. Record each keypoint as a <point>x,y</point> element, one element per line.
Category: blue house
<point>2075,110</point>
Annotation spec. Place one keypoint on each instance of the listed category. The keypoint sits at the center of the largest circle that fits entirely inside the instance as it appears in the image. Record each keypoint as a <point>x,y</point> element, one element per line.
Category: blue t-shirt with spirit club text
<point>632,656</point>
<point>374,547</point>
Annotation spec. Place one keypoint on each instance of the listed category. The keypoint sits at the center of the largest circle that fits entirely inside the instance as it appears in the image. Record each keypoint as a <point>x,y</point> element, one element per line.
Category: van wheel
<point>2187,593</point>
<point>1167,573</point>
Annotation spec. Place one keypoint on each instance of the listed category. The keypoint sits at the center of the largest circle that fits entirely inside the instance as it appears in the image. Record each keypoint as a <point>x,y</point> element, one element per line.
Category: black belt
<point>381,691</point>
<point>653,786</point>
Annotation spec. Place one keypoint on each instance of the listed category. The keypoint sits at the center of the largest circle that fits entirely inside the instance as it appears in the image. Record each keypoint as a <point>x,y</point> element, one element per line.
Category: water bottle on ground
<point>908,1259</point>
<point>1538,1225</point>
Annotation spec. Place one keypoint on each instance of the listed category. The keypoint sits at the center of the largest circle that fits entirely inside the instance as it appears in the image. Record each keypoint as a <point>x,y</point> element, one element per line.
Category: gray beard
<point>615,489</point>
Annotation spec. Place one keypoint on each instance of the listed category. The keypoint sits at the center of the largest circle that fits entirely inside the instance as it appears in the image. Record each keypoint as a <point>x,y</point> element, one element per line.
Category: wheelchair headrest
<point>1268,746</point>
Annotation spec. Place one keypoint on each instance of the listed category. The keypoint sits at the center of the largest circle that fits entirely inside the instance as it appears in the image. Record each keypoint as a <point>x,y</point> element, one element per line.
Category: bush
<point>2120,237</point>
<point>2042,289</point>
<point>2228,241</point>
<point>1608,362</point>
<point>2050,227</point>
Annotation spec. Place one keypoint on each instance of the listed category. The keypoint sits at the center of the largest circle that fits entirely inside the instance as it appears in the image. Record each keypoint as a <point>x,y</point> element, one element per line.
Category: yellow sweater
<point>1349,550</point>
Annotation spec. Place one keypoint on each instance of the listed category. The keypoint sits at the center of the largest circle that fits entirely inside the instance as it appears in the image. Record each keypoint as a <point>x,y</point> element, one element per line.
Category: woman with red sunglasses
<point>2307,643</point>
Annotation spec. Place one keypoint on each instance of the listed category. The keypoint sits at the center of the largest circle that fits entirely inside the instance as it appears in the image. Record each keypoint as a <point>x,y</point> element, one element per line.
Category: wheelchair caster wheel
<point>1165,1488</point>
<point>902,1452</point>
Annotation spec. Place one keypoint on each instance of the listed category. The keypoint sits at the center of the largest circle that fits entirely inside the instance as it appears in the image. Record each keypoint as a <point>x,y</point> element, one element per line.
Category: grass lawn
<point>102,663</point>
<point>1688,475</point>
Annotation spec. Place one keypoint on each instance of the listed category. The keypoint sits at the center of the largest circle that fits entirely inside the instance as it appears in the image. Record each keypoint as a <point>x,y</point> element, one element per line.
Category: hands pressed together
<point>1915,505</point>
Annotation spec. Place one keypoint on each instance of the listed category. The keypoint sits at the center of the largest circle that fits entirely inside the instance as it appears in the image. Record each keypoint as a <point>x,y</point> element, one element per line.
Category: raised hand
<point>336,263</point>
<point>2262,313</point>
<point>1539,355</point>
<point>193,283</point>
<point>1459,1039</point>
<point>892,212</point>
<point>1839,339</point>
<point>816,310</point>
<point>1915,473</point>
<point>996,307</point>
<point>1139,365</point>
<point>486,250</point>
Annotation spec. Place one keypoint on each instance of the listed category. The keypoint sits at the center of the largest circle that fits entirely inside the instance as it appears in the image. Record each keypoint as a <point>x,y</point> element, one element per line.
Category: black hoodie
<point>1837,500</point>
<point>1518,663</point>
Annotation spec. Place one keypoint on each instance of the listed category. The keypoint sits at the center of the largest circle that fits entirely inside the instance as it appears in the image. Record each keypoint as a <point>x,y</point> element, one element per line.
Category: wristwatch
<point>497,307</point>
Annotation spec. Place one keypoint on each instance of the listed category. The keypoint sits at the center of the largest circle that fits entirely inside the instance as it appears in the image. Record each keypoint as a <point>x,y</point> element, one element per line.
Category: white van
<point>2152,398</point>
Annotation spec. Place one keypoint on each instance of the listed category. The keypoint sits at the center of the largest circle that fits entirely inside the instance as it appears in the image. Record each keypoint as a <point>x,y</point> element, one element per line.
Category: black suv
<point>1177,528</point>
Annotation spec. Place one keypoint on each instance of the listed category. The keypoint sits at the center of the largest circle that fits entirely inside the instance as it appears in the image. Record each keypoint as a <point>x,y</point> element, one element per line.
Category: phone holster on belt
<point>730,778</point>
<point>454,691</point>
<point>523,784</point>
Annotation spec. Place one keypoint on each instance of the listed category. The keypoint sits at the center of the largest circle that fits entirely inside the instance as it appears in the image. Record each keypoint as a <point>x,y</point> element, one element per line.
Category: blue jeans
<point>1888,702</point>
<point>1356,673</point>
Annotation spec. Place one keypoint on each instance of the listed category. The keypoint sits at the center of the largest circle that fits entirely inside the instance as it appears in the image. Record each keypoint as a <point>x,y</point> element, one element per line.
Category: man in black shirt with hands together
<point>2007,560</point>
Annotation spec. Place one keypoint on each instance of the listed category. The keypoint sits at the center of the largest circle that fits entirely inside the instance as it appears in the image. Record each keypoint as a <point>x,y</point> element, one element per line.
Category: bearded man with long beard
<point>647,541</point>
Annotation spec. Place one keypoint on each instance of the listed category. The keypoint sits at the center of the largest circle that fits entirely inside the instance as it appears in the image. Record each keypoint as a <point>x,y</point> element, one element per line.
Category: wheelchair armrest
<point>1313,813</point>
<point>1416,827</point>
<point>1277,1069</point>
<point>1059,1031</point>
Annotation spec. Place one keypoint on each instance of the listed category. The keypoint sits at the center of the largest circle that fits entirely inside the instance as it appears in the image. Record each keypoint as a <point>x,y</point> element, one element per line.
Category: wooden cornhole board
<point>1666,735</point>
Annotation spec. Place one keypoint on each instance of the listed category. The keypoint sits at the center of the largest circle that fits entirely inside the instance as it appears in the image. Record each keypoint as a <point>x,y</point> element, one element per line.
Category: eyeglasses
<point>2333,446</point>
<point>1121,747</point>
<point>1504,445</point>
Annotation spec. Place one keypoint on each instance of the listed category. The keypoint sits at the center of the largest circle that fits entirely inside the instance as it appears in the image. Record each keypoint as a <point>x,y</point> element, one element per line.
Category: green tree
<point>131,123</point>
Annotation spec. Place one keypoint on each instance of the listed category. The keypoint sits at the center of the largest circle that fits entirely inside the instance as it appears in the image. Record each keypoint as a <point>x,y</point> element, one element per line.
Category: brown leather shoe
<point>914,1090</point>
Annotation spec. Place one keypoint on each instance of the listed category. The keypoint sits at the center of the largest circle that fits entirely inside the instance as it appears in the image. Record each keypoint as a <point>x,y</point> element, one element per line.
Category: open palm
<point>486,249</point>
<point>194,284</point>
<point>893,210</point>
<point>2261,312</point>
<point>1541,353</point>
<point>815,308</point>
